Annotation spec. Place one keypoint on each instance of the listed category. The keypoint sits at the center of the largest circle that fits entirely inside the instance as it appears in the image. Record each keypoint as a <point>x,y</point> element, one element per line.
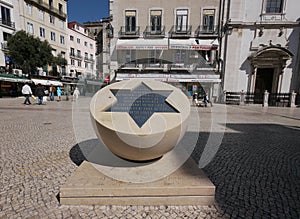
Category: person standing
<point>52,92</point>
<point>76,94</point>
<point>58,92</point>
<point>39,92</point>
<point>26,91</point>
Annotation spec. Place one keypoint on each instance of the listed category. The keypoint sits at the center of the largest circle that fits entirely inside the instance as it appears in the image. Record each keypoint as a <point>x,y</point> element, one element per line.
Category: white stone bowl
<point>119,132</point>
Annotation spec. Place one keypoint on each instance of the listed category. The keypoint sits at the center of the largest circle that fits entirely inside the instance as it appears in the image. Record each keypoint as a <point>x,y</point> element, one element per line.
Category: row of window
<point>78,54</point>
<point>79,64</point>
<point>41,16</point>
<point>50,4</point>
<point>181,17</point>
<point>30,29</point>
<point>79,41</point>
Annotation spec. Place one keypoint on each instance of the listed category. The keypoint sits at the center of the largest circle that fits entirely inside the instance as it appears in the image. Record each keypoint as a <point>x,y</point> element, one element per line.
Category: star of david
<point>141,103</point>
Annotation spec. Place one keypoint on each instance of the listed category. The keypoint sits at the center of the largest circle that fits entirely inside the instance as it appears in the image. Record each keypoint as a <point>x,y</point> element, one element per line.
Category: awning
<point>100,83</point>
<point>212,78</point>
<point>47,82</point>
<point>142,44</point>
<point>194,44</point>
<point>14,79</point>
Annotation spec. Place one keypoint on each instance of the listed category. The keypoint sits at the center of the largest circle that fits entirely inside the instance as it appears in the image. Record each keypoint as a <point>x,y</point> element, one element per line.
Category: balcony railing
<point>273,17</point>
<point>190,67</point>
<point>180,31</point>
<point>183,66</point>
<point>206,31</point>
<point>76,56</point>
<point>89,59</point>
<point>49,8</point>
<point>7,23</point>
<point>157,32</point>
<point>129,32</point>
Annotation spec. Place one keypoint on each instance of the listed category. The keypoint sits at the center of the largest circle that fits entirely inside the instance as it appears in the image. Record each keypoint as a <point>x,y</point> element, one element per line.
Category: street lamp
<point>109,31</point>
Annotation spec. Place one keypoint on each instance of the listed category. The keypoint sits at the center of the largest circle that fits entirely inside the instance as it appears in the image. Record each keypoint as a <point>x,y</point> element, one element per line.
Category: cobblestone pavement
<point>256,169</point>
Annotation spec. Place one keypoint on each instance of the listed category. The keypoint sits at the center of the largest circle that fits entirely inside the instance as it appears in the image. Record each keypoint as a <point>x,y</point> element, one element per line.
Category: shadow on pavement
<point>256,171</point>
<point>93,151</point>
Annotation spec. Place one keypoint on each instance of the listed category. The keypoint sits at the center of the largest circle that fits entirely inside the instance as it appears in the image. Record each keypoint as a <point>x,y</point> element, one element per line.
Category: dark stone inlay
<point>141,103</point>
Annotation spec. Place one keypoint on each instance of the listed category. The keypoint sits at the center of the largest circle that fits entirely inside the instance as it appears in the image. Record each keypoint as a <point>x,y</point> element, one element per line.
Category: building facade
<point>8,25</point>
<point>260,47</point>
<point>81,54</point>
<point>96,32</point>
<point>172,41</point>
<point>46,19</point>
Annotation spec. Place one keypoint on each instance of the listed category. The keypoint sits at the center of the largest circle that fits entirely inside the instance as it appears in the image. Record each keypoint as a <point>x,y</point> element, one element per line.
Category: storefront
<point>189,64</point>
<point>11,85</point>
<point>188,83</point>
<point>47,82</point>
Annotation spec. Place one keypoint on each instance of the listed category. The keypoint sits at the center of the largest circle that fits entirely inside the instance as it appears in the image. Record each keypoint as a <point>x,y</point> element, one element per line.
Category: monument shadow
<point>256,171</point>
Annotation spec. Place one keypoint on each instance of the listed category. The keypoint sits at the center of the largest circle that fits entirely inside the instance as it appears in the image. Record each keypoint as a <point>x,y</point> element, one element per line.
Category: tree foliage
<point>59,60</point>
<point>28,52</point>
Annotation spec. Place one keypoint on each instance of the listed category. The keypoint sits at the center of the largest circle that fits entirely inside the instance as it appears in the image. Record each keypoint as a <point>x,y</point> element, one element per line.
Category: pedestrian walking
<point>40,92</point>
<point>76,94</point>
<point>26,91</point>
<point>206,100</point>
<point>52,90</point>
<point>58,92</point>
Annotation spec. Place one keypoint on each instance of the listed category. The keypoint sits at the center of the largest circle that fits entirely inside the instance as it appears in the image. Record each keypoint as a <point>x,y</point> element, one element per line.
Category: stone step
<point>186,186</point>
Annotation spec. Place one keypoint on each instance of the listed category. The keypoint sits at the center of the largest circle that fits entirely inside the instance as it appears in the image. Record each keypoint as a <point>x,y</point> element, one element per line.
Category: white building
<point>47,20</point>
<point>173,41</point>
<point>81,52</point>
<point>9,23</point>
<point>260,48</point>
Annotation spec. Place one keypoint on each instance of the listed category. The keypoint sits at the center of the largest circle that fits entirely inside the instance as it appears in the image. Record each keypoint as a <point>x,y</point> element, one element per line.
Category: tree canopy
<point>28,52</point>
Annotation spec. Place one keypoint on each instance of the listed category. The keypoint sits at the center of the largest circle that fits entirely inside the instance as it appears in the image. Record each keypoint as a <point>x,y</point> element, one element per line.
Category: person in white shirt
<point>26,91</point>
<point>76,94</point>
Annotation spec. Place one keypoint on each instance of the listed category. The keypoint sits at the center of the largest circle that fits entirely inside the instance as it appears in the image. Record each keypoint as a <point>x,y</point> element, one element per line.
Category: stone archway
<point>268,64</point>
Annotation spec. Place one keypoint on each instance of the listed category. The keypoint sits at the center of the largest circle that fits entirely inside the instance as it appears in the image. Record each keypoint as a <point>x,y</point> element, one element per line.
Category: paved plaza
<point>256,168</point>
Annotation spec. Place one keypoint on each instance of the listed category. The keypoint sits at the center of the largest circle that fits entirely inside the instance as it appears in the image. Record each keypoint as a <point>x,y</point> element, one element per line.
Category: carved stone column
<point>253,79</point>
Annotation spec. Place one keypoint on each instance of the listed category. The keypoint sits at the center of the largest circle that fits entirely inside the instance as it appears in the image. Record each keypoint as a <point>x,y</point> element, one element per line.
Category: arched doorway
<point>268,64</point>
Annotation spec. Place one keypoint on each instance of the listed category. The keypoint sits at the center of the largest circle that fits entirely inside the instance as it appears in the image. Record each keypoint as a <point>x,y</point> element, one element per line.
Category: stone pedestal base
<point>186,186</point>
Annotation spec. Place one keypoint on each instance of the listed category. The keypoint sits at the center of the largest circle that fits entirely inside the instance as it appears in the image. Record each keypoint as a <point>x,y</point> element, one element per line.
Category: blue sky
<point>87,10</point>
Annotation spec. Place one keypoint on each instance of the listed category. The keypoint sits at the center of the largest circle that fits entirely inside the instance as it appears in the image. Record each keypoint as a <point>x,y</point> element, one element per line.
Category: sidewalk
<point>256,169</point>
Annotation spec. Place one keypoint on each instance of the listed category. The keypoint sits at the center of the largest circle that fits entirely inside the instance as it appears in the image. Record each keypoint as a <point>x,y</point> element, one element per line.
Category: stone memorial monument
<point>140,121</point>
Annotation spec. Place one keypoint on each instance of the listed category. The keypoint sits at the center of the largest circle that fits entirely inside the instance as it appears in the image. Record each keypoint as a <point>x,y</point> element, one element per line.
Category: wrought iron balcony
<point>179,31</point>
<point>89,59</point>
<point>49,8</point>
<point>7,23</point>
<point>208,31</point>
<point>129,32</point>
<point>79,57</point>
<point>155,32</point>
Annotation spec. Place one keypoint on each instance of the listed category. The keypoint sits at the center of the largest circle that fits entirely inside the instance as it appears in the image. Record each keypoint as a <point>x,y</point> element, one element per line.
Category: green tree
<point>59,60</point>
<point>28,52</point>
